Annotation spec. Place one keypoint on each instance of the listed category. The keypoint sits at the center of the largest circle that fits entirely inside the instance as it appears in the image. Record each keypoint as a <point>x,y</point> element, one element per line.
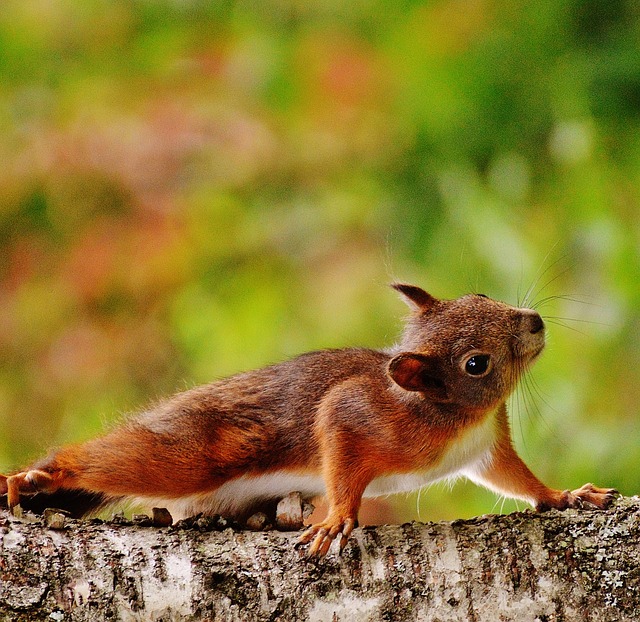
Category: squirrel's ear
<point>415,297</point>
<point>417,372</point>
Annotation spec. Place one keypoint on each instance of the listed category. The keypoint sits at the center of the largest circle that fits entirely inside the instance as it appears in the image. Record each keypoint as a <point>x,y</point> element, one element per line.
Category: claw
<point>590,495</point>
<point>322,536</point>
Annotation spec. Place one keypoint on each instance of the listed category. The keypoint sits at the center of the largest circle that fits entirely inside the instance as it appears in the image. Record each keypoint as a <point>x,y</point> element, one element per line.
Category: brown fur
<point>350,416</point>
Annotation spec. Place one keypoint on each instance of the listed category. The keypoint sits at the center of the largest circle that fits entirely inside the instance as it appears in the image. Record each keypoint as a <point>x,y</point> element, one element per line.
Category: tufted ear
<point>415,297</point>
<point>419,372</point>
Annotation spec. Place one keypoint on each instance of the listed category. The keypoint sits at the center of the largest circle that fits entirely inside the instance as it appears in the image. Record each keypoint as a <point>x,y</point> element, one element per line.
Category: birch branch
<point>569,566</point>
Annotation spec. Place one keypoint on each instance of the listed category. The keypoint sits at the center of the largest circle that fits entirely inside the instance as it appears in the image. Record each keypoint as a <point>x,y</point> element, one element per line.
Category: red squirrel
<point>348,424</point>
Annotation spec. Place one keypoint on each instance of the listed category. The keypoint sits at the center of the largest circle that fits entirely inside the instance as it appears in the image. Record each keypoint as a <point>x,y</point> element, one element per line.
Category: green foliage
<point>194,188</point>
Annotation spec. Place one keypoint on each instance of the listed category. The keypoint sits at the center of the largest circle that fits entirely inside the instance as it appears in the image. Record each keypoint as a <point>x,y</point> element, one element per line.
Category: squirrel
<point>347,423</point>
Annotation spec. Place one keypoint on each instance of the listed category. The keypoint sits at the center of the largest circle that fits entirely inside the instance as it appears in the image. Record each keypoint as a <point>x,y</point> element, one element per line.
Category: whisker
<point>540,274</point>
<point>573,319</point>
<point>559,322</point>
<point>534,387</point>
<point>540,412</point>
<point>520,282</point>
<point>542,395</point>
<point>495,504</point>
<point>522,403</point>
<point>528,391</point>
<point>531,407</point>
<point>550,281</point>
<point>540,303</point>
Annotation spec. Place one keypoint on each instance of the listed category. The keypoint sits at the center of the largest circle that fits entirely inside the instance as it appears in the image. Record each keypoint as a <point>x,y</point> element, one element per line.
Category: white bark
<point>574,565</point>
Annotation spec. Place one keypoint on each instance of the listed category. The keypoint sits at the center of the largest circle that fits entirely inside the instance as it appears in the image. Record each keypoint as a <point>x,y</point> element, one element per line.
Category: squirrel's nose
<point>536,324</point>
<point>531,321</point>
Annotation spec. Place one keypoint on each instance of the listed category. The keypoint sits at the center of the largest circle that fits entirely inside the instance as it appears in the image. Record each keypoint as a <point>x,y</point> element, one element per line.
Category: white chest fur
<point>472,448</point>
<point>465,453</point>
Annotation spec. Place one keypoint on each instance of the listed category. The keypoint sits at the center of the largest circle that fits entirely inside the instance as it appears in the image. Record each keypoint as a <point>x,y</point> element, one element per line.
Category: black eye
<point>477,365</point>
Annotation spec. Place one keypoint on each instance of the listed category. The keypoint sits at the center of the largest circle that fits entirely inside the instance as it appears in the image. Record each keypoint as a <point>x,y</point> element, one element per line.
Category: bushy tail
<point>78,503</point>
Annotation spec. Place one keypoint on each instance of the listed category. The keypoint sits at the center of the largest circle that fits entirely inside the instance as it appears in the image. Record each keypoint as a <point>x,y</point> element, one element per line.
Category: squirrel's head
<point>469,352</point>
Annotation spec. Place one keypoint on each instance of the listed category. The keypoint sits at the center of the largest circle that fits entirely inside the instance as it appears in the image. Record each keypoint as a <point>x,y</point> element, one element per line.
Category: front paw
<point>323,534</point>
<point>591,496</point>
<point>587,496</point>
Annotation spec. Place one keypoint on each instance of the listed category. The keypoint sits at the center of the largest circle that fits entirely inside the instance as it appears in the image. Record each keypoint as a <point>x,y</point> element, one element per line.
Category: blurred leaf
<point>189,189</point>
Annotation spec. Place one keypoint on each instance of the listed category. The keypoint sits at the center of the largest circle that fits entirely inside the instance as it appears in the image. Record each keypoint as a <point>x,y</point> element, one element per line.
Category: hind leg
<point>129,462</point>
<point>25,483</point>
<point>68,469</point>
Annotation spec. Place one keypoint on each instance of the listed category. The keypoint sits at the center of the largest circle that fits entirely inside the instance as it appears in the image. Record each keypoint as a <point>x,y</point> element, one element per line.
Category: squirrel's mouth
<point>536,353</point>
<point>528,350</point>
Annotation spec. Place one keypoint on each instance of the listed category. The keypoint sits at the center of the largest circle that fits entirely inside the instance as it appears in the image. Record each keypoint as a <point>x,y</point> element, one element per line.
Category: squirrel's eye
<point>477,365</point>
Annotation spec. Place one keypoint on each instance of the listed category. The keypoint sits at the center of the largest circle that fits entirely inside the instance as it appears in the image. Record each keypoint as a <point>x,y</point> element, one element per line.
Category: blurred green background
<point>190,188</point>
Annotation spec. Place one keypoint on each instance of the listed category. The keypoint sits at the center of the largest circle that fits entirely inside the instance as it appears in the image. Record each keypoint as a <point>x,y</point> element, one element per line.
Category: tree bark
<point>555,566</point>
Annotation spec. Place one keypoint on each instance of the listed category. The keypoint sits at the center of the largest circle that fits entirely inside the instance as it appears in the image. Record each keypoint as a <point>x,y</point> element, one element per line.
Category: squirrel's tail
<point>77,503</point>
